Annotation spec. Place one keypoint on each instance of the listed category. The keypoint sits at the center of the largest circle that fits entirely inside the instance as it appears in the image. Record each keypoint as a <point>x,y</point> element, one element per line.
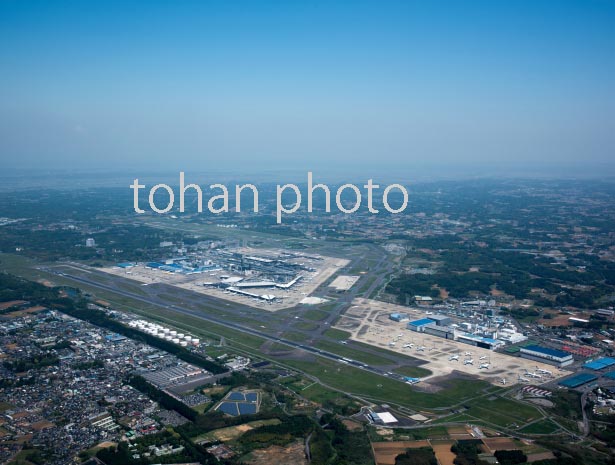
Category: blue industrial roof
<point>172,267</point>
<point>125,265</point>
<point>547,351</point>
<point>578,380</point>
<point>154,264</point>
<point>600,363</point>
<point>421,322</point>
<point>610,374</point>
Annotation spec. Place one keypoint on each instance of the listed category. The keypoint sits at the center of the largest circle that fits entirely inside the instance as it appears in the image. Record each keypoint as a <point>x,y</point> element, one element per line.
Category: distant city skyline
<point>428,88</point>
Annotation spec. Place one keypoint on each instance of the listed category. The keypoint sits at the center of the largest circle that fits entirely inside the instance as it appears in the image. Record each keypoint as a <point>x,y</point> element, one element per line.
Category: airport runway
<point>283,322</point>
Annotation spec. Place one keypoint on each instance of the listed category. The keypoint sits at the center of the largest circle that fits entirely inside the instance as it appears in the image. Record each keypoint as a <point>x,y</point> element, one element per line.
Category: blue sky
<point>494,85</point>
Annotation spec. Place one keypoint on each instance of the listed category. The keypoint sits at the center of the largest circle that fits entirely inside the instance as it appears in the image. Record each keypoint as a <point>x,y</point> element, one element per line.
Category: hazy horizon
<point>430,90</point>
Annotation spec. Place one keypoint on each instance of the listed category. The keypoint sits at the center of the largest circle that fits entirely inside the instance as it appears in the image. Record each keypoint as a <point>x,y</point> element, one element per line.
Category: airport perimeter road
<point>156,301</point>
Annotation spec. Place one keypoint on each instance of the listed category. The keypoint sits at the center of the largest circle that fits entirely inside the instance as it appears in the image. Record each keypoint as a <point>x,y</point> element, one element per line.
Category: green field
<point>233,432</point>
<point>313,391</point>
<point>201,408</point>
<point>315,315</point>
<point>295,336</point>
<point>412,371</point>
<point>496,411</point>
<point>374,387</point>
<point>545,426</point>
<point>337,334</point>
<point>306,326</point>
<point>346,351</point>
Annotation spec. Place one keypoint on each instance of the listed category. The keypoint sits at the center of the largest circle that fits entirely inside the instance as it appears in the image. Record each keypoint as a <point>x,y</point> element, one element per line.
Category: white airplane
<point>468,353</point>
<point>392,344</point>
<point>503,381</point>
<point>544,372</point>
<point>484,365</point>
<point>421,348</point>
<point>524,380</point>
<point>532,375</point>
<point>408,346</point>
<point>453,357</point>
<point>468,361</point>
<point>483,357</point>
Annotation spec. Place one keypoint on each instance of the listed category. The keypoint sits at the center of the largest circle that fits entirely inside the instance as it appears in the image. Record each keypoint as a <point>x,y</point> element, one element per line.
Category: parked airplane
<point>453,357</point>
<point>468,353</point>
<point>532,375</point>
<point>544,372</point>
<point>483,357</point>
<point>468,361</point>
<point>503,381</point>
<point>421,348</point>
<point>392,344</point>
<point>524,380</point>
<point>408,346</point>
<point>484,365</point>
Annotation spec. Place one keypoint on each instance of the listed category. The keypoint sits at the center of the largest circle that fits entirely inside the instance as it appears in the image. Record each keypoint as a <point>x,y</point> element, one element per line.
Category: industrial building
<point>605,313</point>
<point>511,336</point>
<point>445,332</point>
<point>578,380</point>
<point>441,320</point>
<point>182,378</point>
<point>382,418</point>
<point>479,341</point>
<point>555,357</point>
<point>436,325</point>
<point>600,364</point>
<point>419,325</point>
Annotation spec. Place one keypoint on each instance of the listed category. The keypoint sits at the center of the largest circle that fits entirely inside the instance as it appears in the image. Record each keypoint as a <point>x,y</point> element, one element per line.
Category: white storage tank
<point>175,340</point>
<point>188,338</point>
<point>165,330</point>
<point>167,338</point>
<point>183,343</point>
<point>180,335</point>
<point>173,333</point>
<point>195,342</point>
